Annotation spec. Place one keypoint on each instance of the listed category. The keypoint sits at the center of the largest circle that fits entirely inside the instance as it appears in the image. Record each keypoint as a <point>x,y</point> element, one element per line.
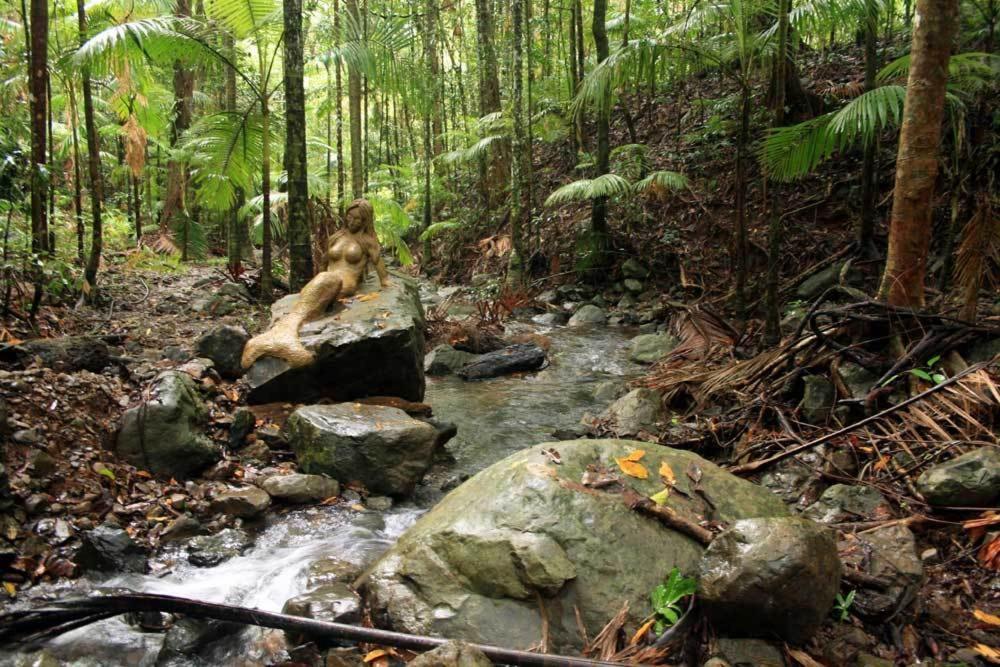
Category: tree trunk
<point>39,78</point>
<point>266,282</point>
<point>917,161</point>
<point>173,203</point>
<point>740,241</point>
<point>137,202</point>
<point>299,238</point>
<point>339,86</point>
<point>495,167</point>
<point>93,165</point>
<point>599,208</point>
<point>81,228</point>
<point>869,192</point>
<point>354,108</point>
<point>514,269</point>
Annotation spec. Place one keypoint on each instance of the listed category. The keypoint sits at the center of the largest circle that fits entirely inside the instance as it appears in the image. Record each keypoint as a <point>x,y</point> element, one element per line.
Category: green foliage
<point>665,598</point>
<point>842,607</point>
<point>391,224</point>
<point>611,185</point>
<point>226,151</point>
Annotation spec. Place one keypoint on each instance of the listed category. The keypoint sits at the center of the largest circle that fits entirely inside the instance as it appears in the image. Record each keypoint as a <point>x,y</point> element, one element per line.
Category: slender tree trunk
<point>340,109</point>
<point>266,280</point>
<point>50,231</point>
<point>515,272</point>
<point>869,191</point>
<point>173,204</point>
<point>137,202</point>
<point>494,168</point>
<point>599,207</point>
<point>354,107</point>
<point>740,245</point>
<point>917,162</point>
<point>38,80</point>
<point>93,165</point>
<point>81,228</point>
<point>299,237</point>
<point>240,246</point>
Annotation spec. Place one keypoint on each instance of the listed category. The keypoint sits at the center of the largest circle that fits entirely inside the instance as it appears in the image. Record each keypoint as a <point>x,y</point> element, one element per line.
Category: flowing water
<point>495,418</point>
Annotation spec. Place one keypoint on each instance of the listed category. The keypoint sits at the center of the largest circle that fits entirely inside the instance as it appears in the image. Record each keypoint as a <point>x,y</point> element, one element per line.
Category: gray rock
<point>609,390</point>
<point>511,359</point>
<point>819,282</point>
<point>176,353</point>
<point>383,448</point>
<point>969,480</point>
<point>189,636</point>
<point>639,410</point>
<point>452,654</point>
<point>627,302</point>
<point>378,503</point>
<point>588,315</point>
<point>844,503</point>
<point>300,488</point>
<point>817,399</point>
<point>334,603</point>
<point>224,346</point>
<point>766,577</point>
<point>650,348</point>
<point>749,653</point>
<point>367,348</point>
<point>632,268</point>
<point>858,379</point>
<point>164,436</point>
<point>64,353</point>
<point>110,549</point>
<point>550,319</point>
<point>210,550</point>
<point>472,566</point>
<point>329,571</point>
<point>445,360</point>
<point>547,297</point>
<point>242,426</point>
<point>181,528</point>
<point>634,286</point>
<point>890,554</point>
<point>983,350</point>
<point>245,503</point>
<point>797,479</point>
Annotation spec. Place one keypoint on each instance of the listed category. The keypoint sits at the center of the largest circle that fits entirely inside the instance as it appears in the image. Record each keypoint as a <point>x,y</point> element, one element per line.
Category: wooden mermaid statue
<point>351,251</point>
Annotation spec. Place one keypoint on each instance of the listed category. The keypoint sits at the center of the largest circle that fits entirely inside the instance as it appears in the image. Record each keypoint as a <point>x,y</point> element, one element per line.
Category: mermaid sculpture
<point>352,251</point>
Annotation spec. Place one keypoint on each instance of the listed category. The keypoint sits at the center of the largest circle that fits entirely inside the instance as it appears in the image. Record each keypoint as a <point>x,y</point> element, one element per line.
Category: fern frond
<point>660,181</point>
<point>439,227</point>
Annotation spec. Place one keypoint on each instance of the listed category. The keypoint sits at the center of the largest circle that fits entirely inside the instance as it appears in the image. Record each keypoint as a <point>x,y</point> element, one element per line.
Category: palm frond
<point>392,223</point>
<point>161,40</point>
<point>244,17</point>
<point>226,154</point>
<point>440,227</point>
<point>606,185</point>
<point>660,181</point>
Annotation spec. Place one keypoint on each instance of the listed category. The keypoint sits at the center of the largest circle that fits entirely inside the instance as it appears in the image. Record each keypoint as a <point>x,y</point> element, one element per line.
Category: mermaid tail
<point>282,342</point>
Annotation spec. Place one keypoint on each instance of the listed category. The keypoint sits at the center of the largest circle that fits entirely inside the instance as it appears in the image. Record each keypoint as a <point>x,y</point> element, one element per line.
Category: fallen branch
<point>667,517</point>
<point>23,627</point>
<point>792,451</point>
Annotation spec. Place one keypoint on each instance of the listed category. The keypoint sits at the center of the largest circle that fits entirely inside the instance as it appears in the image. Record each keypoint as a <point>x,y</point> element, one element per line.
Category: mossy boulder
<point>473,567</point>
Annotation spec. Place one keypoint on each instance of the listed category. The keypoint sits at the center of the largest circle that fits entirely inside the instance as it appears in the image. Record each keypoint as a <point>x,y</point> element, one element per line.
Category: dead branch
<point>667,517</point>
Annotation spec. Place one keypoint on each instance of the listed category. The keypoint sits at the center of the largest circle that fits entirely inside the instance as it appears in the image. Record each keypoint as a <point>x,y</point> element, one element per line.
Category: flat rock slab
<point>372,346</point>
<point>512,359</point>
<point>472,568</point>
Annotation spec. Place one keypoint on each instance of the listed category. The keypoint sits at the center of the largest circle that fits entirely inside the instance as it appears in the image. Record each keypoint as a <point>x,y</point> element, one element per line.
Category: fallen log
<point>26,627</point>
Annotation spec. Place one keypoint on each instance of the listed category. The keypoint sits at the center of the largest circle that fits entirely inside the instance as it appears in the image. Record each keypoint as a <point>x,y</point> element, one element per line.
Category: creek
<point>494,417</point>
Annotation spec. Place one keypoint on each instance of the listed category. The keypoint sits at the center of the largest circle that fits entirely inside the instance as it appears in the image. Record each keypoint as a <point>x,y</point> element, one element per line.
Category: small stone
<point>969,480</point>
<point>26,436</point>
<point>37,503</point>
<point>245,503</point>
<point>300,488</point>
<point>842,503</point>
<point>588,315</point>
<point>176,353</point>
<point>639,410</point>
<point>634,286</point>
<point>210,550</point>
<point>511,359</point>
<point>257,451</point>
<point>550,319</point>
<point>331,570</point>
<point>42,463</point>
<point>755,652</point>
<point>888,553</point>
<point>181,528</point>
<point>650,348</point>
<point>242,426</point>
<point>110,549</point>
<point>452,654</point>
<point>224,346</point>
<point>609,390</point>
<point>332,603</point>
<point>445,360</point>
<point>632,268</point>
<point>379,503</point>
<point>817,399</point>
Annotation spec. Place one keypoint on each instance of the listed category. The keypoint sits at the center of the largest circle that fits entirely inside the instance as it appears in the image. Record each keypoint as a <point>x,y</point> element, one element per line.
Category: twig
<point>757,465</point>
<point>667,516</point>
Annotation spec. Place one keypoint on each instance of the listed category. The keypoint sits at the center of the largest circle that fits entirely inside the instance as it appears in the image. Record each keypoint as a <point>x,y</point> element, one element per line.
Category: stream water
<point>494,417</point>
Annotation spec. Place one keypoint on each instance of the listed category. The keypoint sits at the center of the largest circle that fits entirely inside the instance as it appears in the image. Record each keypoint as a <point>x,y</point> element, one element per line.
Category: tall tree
<point>354,110</point>
<point>93,162</point>
<point>39,81</point>
<point>299,239</point>
<point>493,168</point>
<point>173,204</point>
<point>517,193</point>
<point>869,191</point>
<point>917,159</point>
<point>598,245</point>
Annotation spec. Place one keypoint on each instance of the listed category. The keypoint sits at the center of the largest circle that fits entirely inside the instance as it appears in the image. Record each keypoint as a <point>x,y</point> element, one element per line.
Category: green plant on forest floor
<point>929,372</point>
<point>666,599</point>
<point>842,607</point>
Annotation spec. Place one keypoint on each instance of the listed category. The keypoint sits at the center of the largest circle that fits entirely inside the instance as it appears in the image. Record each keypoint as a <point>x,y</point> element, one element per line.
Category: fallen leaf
<point>376,654</point>
<point>357,507</point>
<point>635,455</point>
<point>10,588</point>
<point>989,554</point>
<point>802,658</point>
<point>667,474</point>
<point>989,653</point>
<point>632,468</point>
<point>661,497</point>
<point>989,619</point>
<point>641,632</point>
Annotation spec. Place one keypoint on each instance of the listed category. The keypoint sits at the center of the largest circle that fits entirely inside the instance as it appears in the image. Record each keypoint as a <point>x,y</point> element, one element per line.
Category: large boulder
<point>110,549</point>
<point>650,348</point>
<point>224,346</point>
<point>888,553</point>
<point>512,359</point>
<point>773,576</point>
<point>588,315</point>
<point>473,566</point>
<point>164,435</point>
<point>245,503</point>
<point>65,353</point>
<point>373,346</point>
<point>640,410</point>
<point>383,448</point>
<point>969,480</point>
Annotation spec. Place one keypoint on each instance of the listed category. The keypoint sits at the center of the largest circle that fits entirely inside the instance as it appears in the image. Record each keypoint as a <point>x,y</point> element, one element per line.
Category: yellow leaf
<point>989,619</point>
<point>641,632</point>
<point>991,654</point>
<point>376,654</point>
<point>661,497</point>
<point>10,588</point>
<point>667,473</point>
<point>635,455</point>
<point>802,658</point>
<point>632,468</point>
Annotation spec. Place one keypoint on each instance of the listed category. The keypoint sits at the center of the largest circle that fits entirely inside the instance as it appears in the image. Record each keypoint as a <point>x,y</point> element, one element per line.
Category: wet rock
<point>164,435</point>
<point>224,346</point>
<point>842,503</point>
<point>969,480</point>
<point>766,577</point>
<point>367,348</point>
<point>632,268</point>
<point>511,359</point>
<point>245,503</point>
<point>627,302</point>
<point>445,360</point>
<point>817,399</point>
<point>334,602</point>
<point>65,353</point>
<point>181,528</point>
<point>471,567</point>
<point>188,637</point>
<point>858,379</point>
<point>383,448</point>
<point>797,480</point>
<point>452,654</point>
<point>810,288</point>
<point>258,451</point>
<point>378,503</point>
<point>110,549</point>
<point>890,554</point>
<point>331,570</point>
<point>637,411</point>
<point>588,315</point>
<point>609,390</point>
<point>242,426</point>
<point>749,653</point>
<point>650,348</point>
<point>210,550</point>
<point>550,319</point>
<point>634,286</point>
<point>299,488</point>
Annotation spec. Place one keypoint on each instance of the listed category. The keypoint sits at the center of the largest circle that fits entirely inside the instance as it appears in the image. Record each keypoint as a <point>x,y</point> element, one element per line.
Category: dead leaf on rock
<point>667,474</point>
<point>632,468</point>
<point>989,619</point>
